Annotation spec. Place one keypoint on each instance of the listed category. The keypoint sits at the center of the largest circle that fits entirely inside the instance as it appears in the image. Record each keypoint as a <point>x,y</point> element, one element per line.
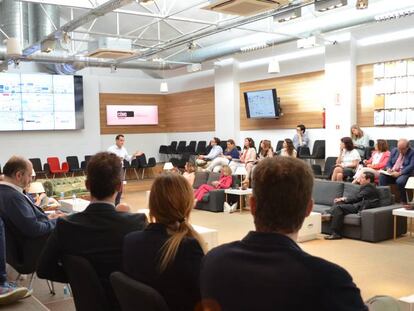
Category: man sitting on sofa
<point>399,168</point>
<point>215,151</point>
<point>367,197</point>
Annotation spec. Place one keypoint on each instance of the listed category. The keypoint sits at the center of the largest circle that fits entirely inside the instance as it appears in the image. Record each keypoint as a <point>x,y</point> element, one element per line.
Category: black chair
<point>143,164</point>
<point>180,163</point>
<point>327,170</point>
<point>87,290</point>
<point>23,253</point>
<point>181,147</point>
<point>318,151</point>
<point>37,167</point>
<point>172,148</point>
<point>411,142</point>
<point>85,162</point>
<point>392,143</point>
<point>201,147</point>
<point>135,166</point>
<point>191,147</point>
<point>74,165</point>
<point>164,150</point>
<point>223,144</point>
<point>133,295</point>
<point>303,152</point>
<point>279,145</point>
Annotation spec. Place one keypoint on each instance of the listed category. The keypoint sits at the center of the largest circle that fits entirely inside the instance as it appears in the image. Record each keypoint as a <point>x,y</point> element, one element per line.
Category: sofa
<point>372,225</point>
<point>214,200</point>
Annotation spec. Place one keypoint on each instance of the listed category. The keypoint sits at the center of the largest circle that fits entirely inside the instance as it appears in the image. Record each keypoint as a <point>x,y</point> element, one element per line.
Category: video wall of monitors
<point>34,102</point>
<point>394,86</point>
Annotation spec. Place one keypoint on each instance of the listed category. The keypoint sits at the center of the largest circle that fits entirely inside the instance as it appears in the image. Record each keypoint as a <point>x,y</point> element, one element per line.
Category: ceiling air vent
<point>245,7</point>
<point>110,48</point>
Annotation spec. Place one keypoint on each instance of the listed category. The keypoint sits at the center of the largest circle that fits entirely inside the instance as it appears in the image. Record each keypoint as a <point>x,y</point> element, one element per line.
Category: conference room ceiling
<point>181,32</point>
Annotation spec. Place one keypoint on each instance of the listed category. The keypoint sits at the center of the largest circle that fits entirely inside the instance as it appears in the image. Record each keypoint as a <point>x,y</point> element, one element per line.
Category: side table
<point>240,193</point>
<point>402,212</point>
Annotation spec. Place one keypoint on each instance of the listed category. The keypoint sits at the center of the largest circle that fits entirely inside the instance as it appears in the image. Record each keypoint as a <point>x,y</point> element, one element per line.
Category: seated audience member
<point>360,139</point>
<point>347,161</point>
<point>97,233</point>
<point>367,197</point>
<point>399,168</point>
<point>189,173</point>
<point>215,151</point>
<point>9,292</point>
<point>300,139</point>
<point>266,150</point>
<point>287,149</point>
<point>248,158</point>
<point>229,154</point>
<point>378,161</point>
<point>224,182</point>
<point>267,266</point>
<point>167,254</point>
<point>16,209</point>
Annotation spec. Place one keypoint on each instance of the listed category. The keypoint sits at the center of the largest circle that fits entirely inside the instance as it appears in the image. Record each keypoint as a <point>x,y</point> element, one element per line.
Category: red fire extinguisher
<point>323,118</point>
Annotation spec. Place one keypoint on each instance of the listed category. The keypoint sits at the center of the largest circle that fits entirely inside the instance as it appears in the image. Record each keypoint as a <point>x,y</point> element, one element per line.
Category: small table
<point>240,193</point>
<point>73,205</point>
<point>311,227</point>
<point>402,212</point>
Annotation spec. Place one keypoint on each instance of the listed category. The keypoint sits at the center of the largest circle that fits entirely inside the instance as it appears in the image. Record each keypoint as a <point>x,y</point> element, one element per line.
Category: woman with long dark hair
<point>168,253</point>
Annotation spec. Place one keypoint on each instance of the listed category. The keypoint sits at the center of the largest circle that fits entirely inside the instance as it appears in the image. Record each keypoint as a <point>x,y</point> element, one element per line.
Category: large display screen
<point>261,104</point>
<point>33,102</point>
<point>131,115</point>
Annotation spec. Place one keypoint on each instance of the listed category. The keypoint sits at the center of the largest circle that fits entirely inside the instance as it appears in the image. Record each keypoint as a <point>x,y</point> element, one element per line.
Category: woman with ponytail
<point>168,253</point>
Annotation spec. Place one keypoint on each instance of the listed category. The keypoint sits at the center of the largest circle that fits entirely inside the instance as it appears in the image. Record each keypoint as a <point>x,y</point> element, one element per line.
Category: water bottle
<point>74,201</point>
<point>66,291</point>
<point>62,196</point>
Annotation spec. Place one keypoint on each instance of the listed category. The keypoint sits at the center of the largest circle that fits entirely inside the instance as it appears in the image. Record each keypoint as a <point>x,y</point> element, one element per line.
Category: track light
<point>288,15</point>
<point>325,5</point>
<point>145,1</point>
<point>362,4</point>
<point>274,66</point>
<point>47,46</point>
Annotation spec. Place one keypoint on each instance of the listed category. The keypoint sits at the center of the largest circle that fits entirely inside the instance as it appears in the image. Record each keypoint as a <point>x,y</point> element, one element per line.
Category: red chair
<point>54,166</point>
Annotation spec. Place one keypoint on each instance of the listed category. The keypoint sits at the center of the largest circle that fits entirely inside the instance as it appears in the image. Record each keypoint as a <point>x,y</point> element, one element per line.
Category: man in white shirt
<point>122,153</point>
<point>215,151</point>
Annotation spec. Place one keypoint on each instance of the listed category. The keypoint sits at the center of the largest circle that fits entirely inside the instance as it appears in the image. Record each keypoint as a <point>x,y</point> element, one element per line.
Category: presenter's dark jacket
<point>179,283</point>
<point>408,163</point>
<point>21,216</point>
<point>268,272</point>
<point>96,234</point>
<point>367,197</point>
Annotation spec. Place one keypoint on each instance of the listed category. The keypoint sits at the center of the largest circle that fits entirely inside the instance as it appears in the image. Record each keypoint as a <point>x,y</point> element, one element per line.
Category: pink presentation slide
<point>131,115</point>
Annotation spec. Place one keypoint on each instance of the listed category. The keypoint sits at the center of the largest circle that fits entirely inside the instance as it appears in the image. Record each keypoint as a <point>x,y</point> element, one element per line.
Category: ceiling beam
<point>85,18</point>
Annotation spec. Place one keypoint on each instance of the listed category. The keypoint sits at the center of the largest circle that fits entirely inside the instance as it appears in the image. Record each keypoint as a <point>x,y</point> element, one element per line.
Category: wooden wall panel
<point>132,99</point>
<point>367,101</point>
<point>191,111</point>
<point>301,99</point>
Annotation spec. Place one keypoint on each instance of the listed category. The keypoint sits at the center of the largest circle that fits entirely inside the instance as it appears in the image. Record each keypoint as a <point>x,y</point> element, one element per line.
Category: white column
<point>340,101</point>
<point>227,100</point>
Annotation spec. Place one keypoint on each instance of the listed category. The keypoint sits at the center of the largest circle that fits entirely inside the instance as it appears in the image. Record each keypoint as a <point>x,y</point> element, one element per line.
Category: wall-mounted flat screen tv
<point>33,102</point>
<point>131,114</point>
<point>262,104</point>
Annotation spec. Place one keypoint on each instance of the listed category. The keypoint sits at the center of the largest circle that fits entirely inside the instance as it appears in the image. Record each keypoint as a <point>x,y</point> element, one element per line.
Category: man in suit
<point>367,197</point>
<point>96,234</point>
<point>267,270</point>
<point>18,212</point>
<point>399,168</point>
